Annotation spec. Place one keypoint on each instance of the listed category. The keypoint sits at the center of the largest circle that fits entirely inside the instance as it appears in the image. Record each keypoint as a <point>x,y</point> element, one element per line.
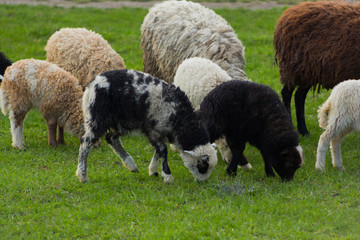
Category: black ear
<point>203,164</point>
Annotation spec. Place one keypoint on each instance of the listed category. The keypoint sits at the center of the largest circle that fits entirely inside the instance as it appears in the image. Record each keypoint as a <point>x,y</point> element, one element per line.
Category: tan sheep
<point>39,84</point>
<point>83,53</point>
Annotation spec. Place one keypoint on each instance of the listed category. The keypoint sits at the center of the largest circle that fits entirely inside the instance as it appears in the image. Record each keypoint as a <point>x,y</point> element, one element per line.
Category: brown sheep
<point>317,45</point>
<point>39,84</point>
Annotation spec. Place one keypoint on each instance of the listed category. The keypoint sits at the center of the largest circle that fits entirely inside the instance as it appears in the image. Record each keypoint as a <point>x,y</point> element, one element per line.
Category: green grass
<point>40,197</point>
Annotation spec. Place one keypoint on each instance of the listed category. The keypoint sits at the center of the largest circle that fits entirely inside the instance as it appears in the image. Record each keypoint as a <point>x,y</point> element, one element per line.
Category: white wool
<point>173,31</point>
<point>197,77</point>
<point>339,115</point>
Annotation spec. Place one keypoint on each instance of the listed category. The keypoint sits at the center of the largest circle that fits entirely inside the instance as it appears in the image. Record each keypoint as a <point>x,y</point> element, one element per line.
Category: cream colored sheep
<point>38,84</point>
<point>83,53</point>
<point>339,116</point>
<point>197,77</point>
<point>173,31</point>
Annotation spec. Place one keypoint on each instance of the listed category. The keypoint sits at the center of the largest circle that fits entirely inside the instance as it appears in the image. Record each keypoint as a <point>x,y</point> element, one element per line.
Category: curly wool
<point>173,31</point>
<point>197,77</point>
<point>83,53</point>
<point>38,84</point>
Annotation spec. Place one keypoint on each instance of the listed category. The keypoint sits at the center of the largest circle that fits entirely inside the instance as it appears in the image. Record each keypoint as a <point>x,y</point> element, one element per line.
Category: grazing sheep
<point>83,53</point>
<point>316,45</point>
<point>339,115</point>
<point>243,111</point>
<point>122,101</point>
<point>4,63</point>
<point>173,31</point>
<point>197,77</point>
<point>38,84</point>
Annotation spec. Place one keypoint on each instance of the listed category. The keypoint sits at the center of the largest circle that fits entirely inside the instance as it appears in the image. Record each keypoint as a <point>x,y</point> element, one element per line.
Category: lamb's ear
<point>214,145</point>
<point>192,153</point>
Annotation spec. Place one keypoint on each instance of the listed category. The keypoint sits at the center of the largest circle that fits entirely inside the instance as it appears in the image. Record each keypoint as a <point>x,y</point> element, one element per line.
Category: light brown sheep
<point>83,53</point>
<point>39,84</point>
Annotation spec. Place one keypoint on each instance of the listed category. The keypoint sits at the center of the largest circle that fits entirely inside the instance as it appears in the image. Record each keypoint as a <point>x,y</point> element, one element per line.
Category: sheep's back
<point>247,111</point>
<point>36,83</point>
<point>197,77</point>
<point>318,43</point>
<point>83,53</point>
<point>173,31</point>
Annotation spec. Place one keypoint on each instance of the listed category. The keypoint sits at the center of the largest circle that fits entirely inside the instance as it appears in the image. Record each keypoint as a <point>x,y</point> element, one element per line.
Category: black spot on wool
<point>125,106</point>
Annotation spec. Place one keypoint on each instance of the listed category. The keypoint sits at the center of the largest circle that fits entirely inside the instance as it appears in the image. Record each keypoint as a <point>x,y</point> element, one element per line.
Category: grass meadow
<point>41,198</point>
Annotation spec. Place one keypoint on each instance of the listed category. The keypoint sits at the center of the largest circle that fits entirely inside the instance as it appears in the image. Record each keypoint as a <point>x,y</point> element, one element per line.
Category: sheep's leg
<point>161,151</point>
<point>52,125</point>
<point>238,157</point>
<point>60,137</point>
<point>17,128</point>
<point>154,165</point>
<point>268,167</point>
<point>300,96</point>
<point>324,142</point>
<point>115,143</point>
<point>335,146</point>
<point>84,150</point>
<point>286,94</point>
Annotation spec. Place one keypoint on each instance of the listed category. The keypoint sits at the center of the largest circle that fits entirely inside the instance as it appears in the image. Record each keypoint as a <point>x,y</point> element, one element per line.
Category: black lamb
<point>121,101</point>
<point>244,112</point>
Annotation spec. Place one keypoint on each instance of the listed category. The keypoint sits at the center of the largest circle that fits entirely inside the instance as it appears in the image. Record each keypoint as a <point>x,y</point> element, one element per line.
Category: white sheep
<point>83,53</point>
<point>339,115</point>
<point>197,77</point>
<point>38,84</point>
<point>173,31</point>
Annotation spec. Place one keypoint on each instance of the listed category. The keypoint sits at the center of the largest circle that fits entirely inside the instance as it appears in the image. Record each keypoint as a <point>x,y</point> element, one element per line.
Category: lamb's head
<point>200,161</point>
<point>289,160</point>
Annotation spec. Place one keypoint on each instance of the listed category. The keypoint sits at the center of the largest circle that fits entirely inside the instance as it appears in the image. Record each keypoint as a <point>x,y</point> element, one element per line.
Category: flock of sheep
<point>204,95</point>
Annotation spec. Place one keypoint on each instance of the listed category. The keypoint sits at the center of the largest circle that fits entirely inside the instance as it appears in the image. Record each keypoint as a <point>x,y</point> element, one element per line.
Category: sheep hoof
<point>135,170</point>
<point>341,168</point>
<point>246,166</point>
<point>230,172</point>
<point>319,168</point>
<point>82,176</point>
<point>168,178</point>
<point>20,147</point>
<point>154,174</point>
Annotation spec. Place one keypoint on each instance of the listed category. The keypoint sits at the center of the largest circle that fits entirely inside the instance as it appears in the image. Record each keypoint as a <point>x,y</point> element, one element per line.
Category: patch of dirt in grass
<point>110,4</point>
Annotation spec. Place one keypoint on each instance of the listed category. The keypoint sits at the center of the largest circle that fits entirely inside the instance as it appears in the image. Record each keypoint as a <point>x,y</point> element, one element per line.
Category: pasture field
<point>41,198</point>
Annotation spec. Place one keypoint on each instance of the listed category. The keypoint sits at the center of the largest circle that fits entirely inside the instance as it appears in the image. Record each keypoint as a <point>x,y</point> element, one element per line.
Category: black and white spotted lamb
<point>121,101</point>
<point>244,112</point>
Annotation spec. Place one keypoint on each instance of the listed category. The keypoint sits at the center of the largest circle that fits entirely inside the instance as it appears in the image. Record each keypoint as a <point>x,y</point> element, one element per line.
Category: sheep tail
<point>4,102</point>
<point>323,113</point>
